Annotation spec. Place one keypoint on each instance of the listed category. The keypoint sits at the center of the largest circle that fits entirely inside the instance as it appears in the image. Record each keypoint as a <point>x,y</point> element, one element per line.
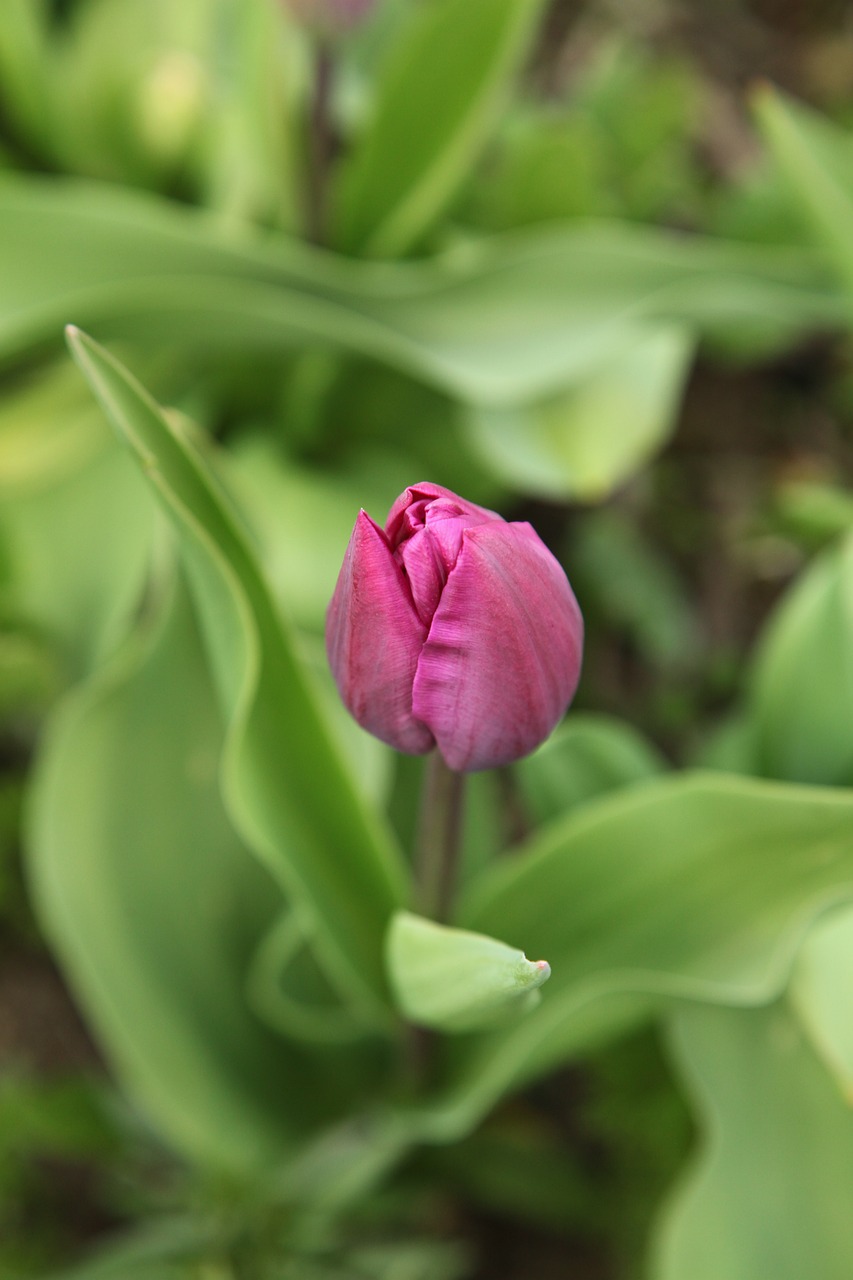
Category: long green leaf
<point>286,784</point>
<point>435,102</point>
<point>521,316</point>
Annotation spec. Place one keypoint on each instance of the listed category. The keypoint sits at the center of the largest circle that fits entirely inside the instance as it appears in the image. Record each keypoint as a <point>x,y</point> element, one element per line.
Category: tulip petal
<point>411,511</point>
<point>503,655</point>
<point>374,638</point>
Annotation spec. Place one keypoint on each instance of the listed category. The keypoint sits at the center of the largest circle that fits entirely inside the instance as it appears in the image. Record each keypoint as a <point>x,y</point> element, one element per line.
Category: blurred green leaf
<point>515,317</point>
<point>815,158</point>
<point>588,756</point>
<point>801,700</point>
<point>286,783</point>
<point>767,1195</point>
<point>25,68</point>
<point>435,102</point>
<point>454,980</point>
<point>76,520</point>
<point>635,586</point>
<point>822,995</point>
<point>586,441</point>
<point>153,906</point>
<point>700,887</point>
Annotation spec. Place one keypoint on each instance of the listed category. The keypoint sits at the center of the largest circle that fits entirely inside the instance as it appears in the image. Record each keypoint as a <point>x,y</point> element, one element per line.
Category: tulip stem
<point>439,838</point>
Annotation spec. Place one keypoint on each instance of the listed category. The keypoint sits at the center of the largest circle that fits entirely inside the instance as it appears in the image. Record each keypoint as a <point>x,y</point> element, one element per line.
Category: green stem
<point>439,839</point>
<point>320,145</point>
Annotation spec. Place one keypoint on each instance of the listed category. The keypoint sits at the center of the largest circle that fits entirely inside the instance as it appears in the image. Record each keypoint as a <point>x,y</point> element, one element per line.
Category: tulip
<point>452,628</point>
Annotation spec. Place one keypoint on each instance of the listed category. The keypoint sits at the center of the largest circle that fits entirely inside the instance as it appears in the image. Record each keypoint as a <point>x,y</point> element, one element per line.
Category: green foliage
<point>434,104</point>
<point>763,1197</point>
<point>453,980</point>
<point>212,847</point>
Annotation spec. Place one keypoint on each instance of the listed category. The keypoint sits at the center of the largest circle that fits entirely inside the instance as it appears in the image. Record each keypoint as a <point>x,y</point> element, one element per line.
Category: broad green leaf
<point>588,756</point>
<point>153,907</point>
<point>768,1194</point>
<point>801,704</point>
<point>587,440</point>
<point>287,787</point>
<point>815,157</point>
<point>701,886</point>
<point>435,102</point>
<point>513,318</point>
<point>454,980</point>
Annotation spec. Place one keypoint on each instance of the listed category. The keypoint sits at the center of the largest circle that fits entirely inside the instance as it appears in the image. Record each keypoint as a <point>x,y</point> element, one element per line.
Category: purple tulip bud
<point>455,629</point>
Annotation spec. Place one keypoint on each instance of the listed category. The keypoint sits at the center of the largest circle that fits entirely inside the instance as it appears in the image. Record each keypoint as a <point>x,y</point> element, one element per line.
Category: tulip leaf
<point>815,157</point>
<point>766,1196</point>
<point>700,887</point>
<point>520,317</point>
<point>153,905</point>
<point>588,439</point>
<point>280,765</point>
<point>453,980</point>
<point>822,995</point>
<point>588,756</point>
<point>801,702</point>
<point>435,102</point>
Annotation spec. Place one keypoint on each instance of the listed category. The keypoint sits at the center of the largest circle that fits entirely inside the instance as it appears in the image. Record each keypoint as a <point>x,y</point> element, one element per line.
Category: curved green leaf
<point>815,158</point>
<point>701,887</point>
<point>435,102</point>
<point>286,784</point>
<point>768,1195</point>
<point>801,704</point>
<point>587,440</point>
<point>516,317</point>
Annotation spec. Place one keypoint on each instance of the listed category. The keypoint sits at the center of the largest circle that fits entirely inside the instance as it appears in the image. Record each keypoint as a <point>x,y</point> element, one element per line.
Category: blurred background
<point>577,261</point>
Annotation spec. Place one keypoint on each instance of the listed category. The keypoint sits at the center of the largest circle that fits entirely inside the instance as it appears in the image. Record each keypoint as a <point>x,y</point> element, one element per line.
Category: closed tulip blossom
<point>452,628</point>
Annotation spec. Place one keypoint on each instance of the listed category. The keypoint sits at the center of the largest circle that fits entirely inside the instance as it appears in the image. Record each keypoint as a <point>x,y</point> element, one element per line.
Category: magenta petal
<point>503,656</point>
<point>374,638</point>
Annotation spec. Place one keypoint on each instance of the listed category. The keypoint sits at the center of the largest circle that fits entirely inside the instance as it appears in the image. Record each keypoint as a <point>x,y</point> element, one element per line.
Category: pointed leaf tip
<point>454,980</point>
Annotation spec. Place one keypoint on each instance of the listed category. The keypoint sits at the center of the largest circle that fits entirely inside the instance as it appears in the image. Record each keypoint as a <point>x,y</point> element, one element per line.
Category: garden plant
<point>439,817</point>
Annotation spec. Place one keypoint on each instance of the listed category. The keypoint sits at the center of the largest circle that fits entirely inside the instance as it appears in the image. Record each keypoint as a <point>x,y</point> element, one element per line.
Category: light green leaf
<point>286,785</point>
<point>822,995</point>
<point>435,102</point>
<point>587,440</point>
<point>815,158</point>
<point>767,1195</point>
<point>453,980</point>
<point>801,704</point>
<point>701,886</point>
<point>152,905</point>
<point>588,756</point>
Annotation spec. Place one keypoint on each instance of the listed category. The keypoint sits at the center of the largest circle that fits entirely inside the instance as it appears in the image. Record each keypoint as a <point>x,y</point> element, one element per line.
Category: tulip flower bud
<point>455,629</point>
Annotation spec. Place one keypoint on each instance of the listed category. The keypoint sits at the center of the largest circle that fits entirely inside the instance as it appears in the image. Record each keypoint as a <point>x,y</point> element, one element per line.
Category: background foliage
<point>576,264</point>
